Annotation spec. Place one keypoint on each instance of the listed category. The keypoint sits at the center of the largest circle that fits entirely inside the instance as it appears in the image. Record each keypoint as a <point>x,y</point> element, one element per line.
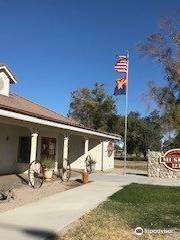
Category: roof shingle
<point>19,104</point>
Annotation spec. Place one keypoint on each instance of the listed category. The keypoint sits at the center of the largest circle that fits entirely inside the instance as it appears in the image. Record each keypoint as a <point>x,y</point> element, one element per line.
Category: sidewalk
<point>47,216</point>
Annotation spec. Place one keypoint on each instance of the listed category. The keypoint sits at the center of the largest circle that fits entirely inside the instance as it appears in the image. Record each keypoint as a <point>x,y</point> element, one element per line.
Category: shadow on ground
<point>32,232</point>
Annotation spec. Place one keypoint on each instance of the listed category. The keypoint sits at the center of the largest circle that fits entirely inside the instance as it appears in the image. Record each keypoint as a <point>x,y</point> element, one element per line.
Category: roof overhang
<point>31,119</point>
<point>8,72</point>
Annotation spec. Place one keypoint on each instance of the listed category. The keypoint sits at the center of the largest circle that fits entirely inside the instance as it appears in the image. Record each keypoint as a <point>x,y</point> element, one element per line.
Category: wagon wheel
<point>65,172</point>
<point>36,174</point>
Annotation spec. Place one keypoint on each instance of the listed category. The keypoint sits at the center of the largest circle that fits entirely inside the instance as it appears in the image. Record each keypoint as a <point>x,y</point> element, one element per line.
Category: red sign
<point>171,159</point>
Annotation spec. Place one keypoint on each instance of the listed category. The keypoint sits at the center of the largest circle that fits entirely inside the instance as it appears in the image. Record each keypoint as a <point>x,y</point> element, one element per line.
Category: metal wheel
<point>65,172</point>
<point>36,174</point>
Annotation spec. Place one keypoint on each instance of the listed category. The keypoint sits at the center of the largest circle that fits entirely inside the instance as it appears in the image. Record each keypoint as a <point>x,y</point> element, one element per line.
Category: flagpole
<point>126,117</point>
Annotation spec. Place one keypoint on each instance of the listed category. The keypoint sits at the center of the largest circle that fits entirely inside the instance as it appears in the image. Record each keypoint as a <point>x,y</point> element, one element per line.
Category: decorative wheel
<point>65,172</point>
<point>36,174</point>
<point>88,164</point>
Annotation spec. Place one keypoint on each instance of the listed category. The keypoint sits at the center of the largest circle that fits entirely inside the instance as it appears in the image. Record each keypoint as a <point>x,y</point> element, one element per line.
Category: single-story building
<point>29,131</point>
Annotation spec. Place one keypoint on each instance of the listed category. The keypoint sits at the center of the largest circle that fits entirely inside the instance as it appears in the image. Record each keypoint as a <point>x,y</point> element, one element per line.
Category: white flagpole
<point>126,117</point>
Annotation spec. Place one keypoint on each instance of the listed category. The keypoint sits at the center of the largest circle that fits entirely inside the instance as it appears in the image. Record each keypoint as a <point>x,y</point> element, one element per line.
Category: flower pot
<point>85,177</point>
<point>48,173</point>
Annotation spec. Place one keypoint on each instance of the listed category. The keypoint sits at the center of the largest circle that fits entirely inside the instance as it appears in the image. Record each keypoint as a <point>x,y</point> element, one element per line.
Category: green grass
<point>147,206</point>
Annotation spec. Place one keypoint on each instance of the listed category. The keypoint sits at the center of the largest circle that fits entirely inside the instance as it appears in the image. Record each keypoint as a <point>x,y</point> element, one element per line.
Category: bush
<point>48,163</point>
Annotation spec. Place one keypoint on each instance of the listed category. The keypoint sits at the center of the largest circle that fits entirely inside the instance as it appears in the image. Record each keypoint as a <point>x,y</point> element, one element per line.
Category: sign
<point>171,159</point>
<point>110,149</point>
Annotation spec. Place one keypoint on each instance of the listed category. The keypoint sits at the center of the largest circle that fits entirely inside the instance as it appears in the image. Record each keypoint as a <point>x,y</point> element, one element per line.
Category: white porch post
<point>102,156</point>
<point>86,146</point>
<point>86,149</point>
<point>65,149</point>
<point>34,138</point>
<point>33,153</point>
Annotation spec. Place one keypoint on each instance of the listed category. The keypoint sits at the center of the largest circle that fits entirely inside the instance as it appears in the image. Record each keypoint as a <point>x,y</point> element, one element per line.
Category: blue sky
<point>57,46</point>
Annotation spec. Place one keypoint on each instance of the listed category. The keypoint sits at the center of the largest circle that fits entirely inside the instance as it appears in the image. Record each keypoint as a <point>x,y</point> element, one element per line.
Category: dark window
<point>24,149</point>
<point>48,148</point>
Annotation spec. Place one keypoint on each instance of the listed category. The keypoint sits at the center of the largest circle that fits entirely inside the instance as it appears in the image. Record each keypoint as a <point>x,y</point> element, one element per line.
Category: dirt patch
<point>27,194</point>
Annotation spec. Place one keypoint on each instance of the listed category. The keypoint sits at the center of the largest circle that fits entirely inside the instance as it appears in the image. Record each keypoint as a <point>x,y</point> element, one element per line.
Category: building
<point>29,131</point>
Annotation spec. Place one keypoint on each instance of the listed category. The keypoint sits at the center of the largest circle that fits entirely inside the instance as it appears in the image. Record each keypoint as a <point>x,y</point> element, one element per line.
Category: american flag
<point>121,65</point>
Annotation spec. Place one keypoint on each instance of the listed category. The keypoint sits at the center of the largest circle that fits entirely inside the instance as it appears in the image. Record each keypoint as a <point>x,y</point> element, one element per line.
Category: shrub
<point>48,163</point>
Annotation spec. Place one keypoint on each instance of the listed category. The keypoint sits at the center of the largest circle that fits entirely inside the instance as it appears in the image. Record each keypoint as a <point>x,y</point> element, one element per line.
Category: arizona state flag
<point>120,88</point>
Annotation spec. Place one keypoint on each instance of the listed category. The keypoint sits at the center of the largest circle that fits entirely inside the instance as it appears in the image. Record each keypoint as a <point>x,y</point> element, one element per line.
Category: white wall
<point>76,152</point>
<point>97,150</point>
<point>4,90</point>
<point>107,162</point>
<point>9,140</point>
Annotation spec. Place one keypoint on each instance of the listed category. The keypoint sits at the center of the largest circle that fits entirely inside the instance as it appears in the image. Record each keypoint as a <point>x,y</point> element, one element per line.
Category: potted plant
<point>85,177</point>
<point>48,167</point>
<point>92,164</point>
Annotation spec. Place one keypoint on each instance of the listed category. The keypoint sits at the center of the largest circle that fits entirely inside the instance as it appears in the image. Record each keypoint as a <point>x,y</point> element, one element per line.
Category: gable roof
<point>4,67</point>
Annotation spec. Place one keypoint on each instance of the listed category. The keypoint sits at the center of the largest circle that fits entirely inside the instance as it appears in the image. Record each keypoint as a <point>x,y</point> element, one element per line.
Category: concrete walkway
<point>47,216</point>
<point>118,177</point>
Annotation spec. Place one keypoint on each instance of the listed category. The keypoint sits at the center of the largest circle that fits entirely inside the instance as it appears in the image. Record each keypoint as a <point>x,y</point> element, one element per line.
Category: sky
<point>56,46</point>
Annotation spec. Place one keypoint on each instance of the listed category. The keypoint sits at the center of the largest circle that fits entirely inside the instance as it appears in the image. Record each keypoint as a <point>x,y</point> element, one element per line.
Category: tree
<point>92,107</point>
<point>151,132</point>
<point>164,47</point>
<point>172,142</point>
<point>143,133</point>
<point>134,134</point>
<point>96,109</point>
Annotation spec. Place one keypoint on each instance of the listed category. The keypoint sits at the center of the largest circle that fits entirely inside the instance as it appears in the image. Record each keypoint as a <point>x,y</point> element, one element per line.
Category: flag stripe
<point>121,64</point>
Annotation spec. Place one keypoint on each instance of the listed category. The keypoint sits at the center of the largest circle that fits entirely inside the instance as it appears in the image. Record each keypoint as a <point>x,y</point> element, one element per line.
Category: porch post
<point>33,152</point>
<point>65,149</point>
<point>86,149</point>
<point>86,146</point>
<point>34,138</point>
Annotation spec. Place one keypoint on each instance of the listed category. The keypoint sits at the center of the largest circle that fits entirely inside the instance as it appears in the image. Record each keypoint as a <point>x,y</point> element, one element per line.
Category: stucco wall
<point>97,150</point>
<point>5,88</point>
<point>9,140</point>
<point>108,162</point>
<point>157,169</point>
<point>76,152</point>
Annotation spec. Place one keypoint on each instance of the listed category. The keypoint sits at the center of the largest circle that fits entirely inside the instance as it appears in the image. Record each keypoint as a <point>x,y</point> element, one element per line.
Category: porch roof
<point>20,105</point>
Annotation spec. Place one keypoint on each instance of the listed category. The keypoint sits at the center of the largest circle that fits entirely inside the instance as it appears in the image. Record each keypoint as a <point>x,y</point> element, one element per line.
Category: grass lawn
<point>147,206</point>
<point>136,165</point>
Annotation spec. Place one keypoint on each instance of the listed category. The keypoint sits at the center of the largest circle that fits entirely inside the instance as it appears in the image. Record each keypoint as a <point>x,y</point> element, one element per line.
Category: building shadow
<point>23,179</point>
<point>138,174</point>
<point>34,233</point>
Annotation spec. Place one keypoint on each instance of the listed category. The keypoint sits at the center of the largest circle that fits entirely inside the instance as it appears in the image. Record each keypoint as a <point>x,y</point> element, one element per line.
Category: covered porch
<point>22,142</point>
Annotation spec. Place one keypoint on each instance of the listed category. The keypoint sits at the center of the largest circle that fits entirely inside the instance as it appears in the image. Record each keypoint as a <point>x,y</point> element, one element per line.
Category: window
<point>48,148</point>
<point>24,149</point>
